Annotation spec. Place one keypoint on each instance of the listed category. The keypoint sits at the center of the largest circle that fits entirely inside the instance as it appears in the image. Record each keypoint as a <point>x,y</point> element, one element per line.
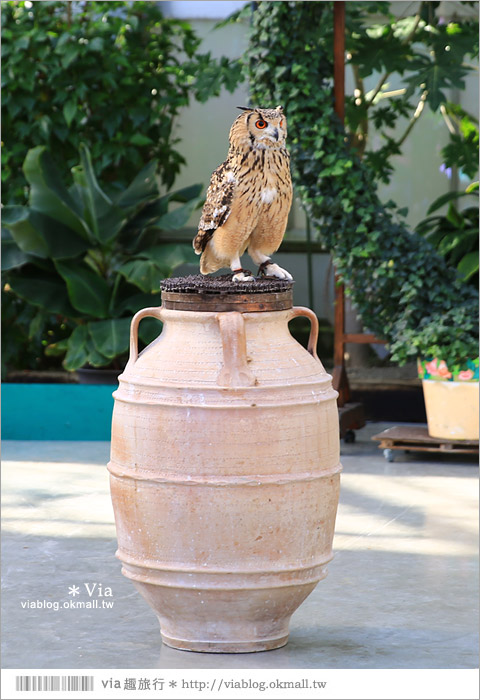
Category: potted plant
<point>90,258</point>
<point>451,388</point>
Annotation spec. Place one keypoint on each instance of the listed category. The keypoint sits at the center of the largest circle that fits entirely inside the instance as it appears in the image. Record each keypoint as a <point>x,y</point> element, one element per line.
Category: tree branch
<point>415,117</point>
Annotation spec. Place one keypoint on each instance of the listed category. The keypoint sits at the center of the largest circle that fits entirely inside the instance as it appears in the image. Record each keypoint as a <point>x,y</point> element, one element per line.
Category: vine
<point>401,287</point>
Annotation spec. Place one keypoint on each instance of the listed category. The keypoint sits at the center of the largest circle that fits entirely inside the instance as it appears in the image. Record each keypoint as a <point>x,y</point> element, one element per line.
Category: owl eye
<point>281,124</point>
<point>260,124</point>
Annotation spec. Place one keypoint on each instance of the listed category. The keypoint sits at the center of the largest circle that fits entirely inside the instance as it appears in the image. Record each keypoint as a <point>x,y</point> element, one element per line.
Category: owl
<point>248,198</point>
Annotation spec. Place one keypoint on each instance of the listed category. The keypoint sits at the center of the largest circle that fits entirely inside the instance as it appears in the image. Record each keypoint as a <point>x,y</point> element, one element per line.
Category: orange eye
<point>260,124</point>
<point>281,124</point>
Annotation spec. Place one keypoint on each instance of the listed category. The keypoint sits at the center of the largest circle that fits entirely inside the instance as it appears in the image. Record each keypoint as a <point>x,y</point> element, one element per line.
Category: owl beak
<point>275,134</point>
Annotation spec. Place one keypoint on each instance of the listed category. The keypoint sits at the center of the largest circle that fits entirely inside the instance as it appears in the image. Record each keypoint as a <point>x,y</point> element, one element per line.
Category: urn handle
<point>313,338</point>
<point>235,371</point>
<point>152,311</point>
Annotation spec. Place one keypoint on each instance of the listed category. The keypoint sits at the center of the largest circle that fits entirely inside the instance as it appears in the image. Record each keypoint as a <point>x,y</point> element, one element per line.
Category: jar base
<point>230,647</point>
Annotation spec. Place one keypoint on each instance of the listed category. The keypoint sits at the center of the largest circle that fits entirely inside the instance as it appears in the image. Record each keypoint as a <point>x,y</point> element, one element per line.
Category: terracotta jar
<point>225,469</point>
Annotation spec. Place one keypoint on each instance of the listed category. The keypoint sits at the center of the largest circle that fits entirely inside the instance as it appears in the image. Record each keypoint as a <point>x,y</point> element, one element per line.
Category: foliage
<point>113,75</point>
<point>400,285</point>
<point>455,234</point>
<point>89,259</point>
<point>430,55</point>
<point>26,331</point>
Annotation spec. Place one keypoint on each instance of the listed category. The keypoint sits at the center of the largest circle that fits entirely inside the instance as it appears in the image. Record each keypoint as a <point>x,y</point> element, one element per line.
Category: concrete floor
<point>401,592</point>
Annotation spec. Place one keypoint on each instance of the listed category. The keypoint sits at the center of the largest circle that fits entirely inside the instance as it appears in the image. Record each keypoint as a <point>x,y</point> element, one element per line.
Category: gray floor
<point>401,592</point>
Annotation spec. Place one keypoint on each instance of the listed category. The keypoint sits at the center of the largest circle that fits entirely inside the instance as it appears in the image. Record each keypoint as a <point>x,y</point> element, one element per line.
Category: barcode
<point>29,683</point>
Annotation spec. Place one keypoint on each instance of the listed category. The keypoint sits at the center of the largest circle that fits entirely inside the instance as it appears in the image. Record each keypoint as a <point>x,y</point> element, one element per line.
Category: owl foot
<point>270,269</point>
<point>241,275</point>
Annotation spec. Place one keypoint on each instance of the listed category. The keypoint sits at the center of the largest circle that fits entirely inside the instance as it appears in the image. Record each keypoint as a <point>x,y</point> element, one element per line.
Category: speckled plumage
<point>249,197</point>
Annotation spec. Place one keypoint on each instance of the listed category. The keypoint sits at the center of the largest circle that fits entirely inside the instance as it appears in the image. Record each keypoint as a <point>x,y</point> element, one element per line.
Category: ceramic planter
<point>451,399</point>
<point>225,472</point>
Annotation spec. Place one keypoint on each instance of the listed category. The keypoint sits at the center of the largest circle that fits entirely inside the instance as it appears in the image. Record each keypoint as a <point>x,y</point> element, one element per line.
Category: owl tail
<point>209,261</point>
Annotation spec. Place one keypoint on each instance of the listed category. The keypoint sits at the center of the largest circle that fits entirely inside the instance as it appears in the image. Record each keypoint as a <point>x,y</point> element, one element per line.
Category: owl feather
<point>248,198</point>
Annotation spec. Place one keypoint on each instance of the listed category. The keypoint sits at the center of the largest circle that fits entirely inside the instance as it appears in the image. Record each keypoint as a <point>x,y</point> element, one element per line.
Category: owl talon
<point>269,269</point>
<point>242,276</point>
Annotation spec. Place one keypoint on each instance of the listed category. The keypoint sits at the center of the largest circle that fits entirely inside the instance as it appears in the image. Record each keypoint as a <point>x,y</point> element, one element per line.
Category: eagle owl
<point>248,198</point>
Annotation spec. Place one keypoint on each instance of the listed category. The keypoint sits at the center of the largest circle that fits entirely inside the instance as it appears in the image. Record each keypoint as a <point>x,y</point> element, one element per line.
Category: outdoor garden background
<point>99,95</point>
<point>114,116</point>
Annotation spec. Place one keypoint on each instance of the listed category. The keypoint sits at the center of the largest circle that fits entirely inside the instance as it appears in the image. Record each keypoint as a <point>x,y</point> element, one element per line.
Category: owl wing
<point>218,205</point>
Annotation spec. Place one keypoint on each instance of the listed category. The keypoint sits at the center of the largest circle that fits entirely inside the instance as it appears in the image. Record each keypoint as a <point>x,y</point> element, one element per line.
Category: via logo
<point>93,590</point>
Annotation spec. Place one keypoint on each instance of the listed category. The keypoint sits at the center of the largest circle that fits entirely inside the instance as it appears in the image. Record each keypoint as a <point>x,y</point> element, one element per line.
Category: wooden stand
<point>415,438</point>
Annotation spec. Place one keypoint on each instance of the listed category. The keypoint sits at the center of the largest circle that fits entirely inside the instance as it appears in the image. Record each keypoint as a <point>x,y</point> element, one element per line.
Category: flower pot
<point>451,399</point>
<point>225,471</point>
<point>98,375</point>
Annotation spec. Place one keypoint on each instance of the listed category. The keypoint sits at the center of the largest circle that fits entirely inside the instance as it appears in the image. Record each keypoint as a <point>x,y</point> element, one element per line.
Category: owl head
<point>259,128</point>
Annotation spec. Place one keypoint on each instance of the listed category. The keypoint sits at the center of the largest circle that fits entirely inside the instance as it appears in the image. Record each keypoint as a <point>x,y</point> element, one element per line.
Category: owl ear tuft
<point>279,108</point>
<point>246,109</point>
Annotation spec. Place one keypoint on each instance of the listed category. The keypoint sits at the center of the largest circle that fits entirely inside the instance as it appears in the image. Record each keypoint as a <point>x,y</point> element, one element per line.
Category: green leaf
<point>168,256</point>
<point>144,274</point>
<point>77,349</point>
<point>135,302</point>
<point>177,218</point>
<point>88,292</point>
<point>56,349</point>
<point>25,235</point>
<point>104,218</point>
<point>47,292</point>
<point>149,330</point>
<point>143,186</point>
<point>61,241</point>
<point>444,199</point>
<point>12,256</point>
<point>96,44</point>
<point>186,193</point>
<point>69,111</point>
<point>468,265</point>
<point>140,140</point>
<point>48,194</point>
<point>69,56</point>
<point>454,216</point>
<point>111,338</point>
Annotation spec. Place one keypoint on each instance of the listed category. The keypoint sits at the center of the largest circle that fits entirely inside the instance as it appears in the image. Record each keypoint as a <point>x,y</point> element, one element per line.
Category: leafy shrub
<point>91,260</point>
<point>400,285</point>
<point>112,75</point>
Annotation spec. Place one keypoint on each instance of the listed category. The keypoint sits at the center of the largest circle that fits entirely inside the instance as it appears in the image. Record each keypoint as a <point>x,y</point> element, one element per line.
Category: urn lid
<point>206,293</point>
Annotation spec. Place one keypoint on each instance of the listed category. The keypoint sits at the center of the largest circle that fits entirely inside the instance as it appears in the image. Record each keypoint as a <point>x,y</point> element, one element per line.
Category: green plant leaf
<point>88,292</point>
<point>69,111</point>
<point>77,349</point>
<point>143,186</point>
<point>140,140</point>
<point>57,349</point>
<point>444,199</point>
<point>49,293</point>
<point>48,194</point>
<point>468,265</point>
<point>61,241</point>
<point>168,256</point>
<point>135,302</point>
<point>186,193</point>
<point>149,330</point>
<point>12,255</point>
<point>144,274</point>
<point>104,218</point>
<point>111,337</point>
<point>177,218</point>
<point>26,236</point>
